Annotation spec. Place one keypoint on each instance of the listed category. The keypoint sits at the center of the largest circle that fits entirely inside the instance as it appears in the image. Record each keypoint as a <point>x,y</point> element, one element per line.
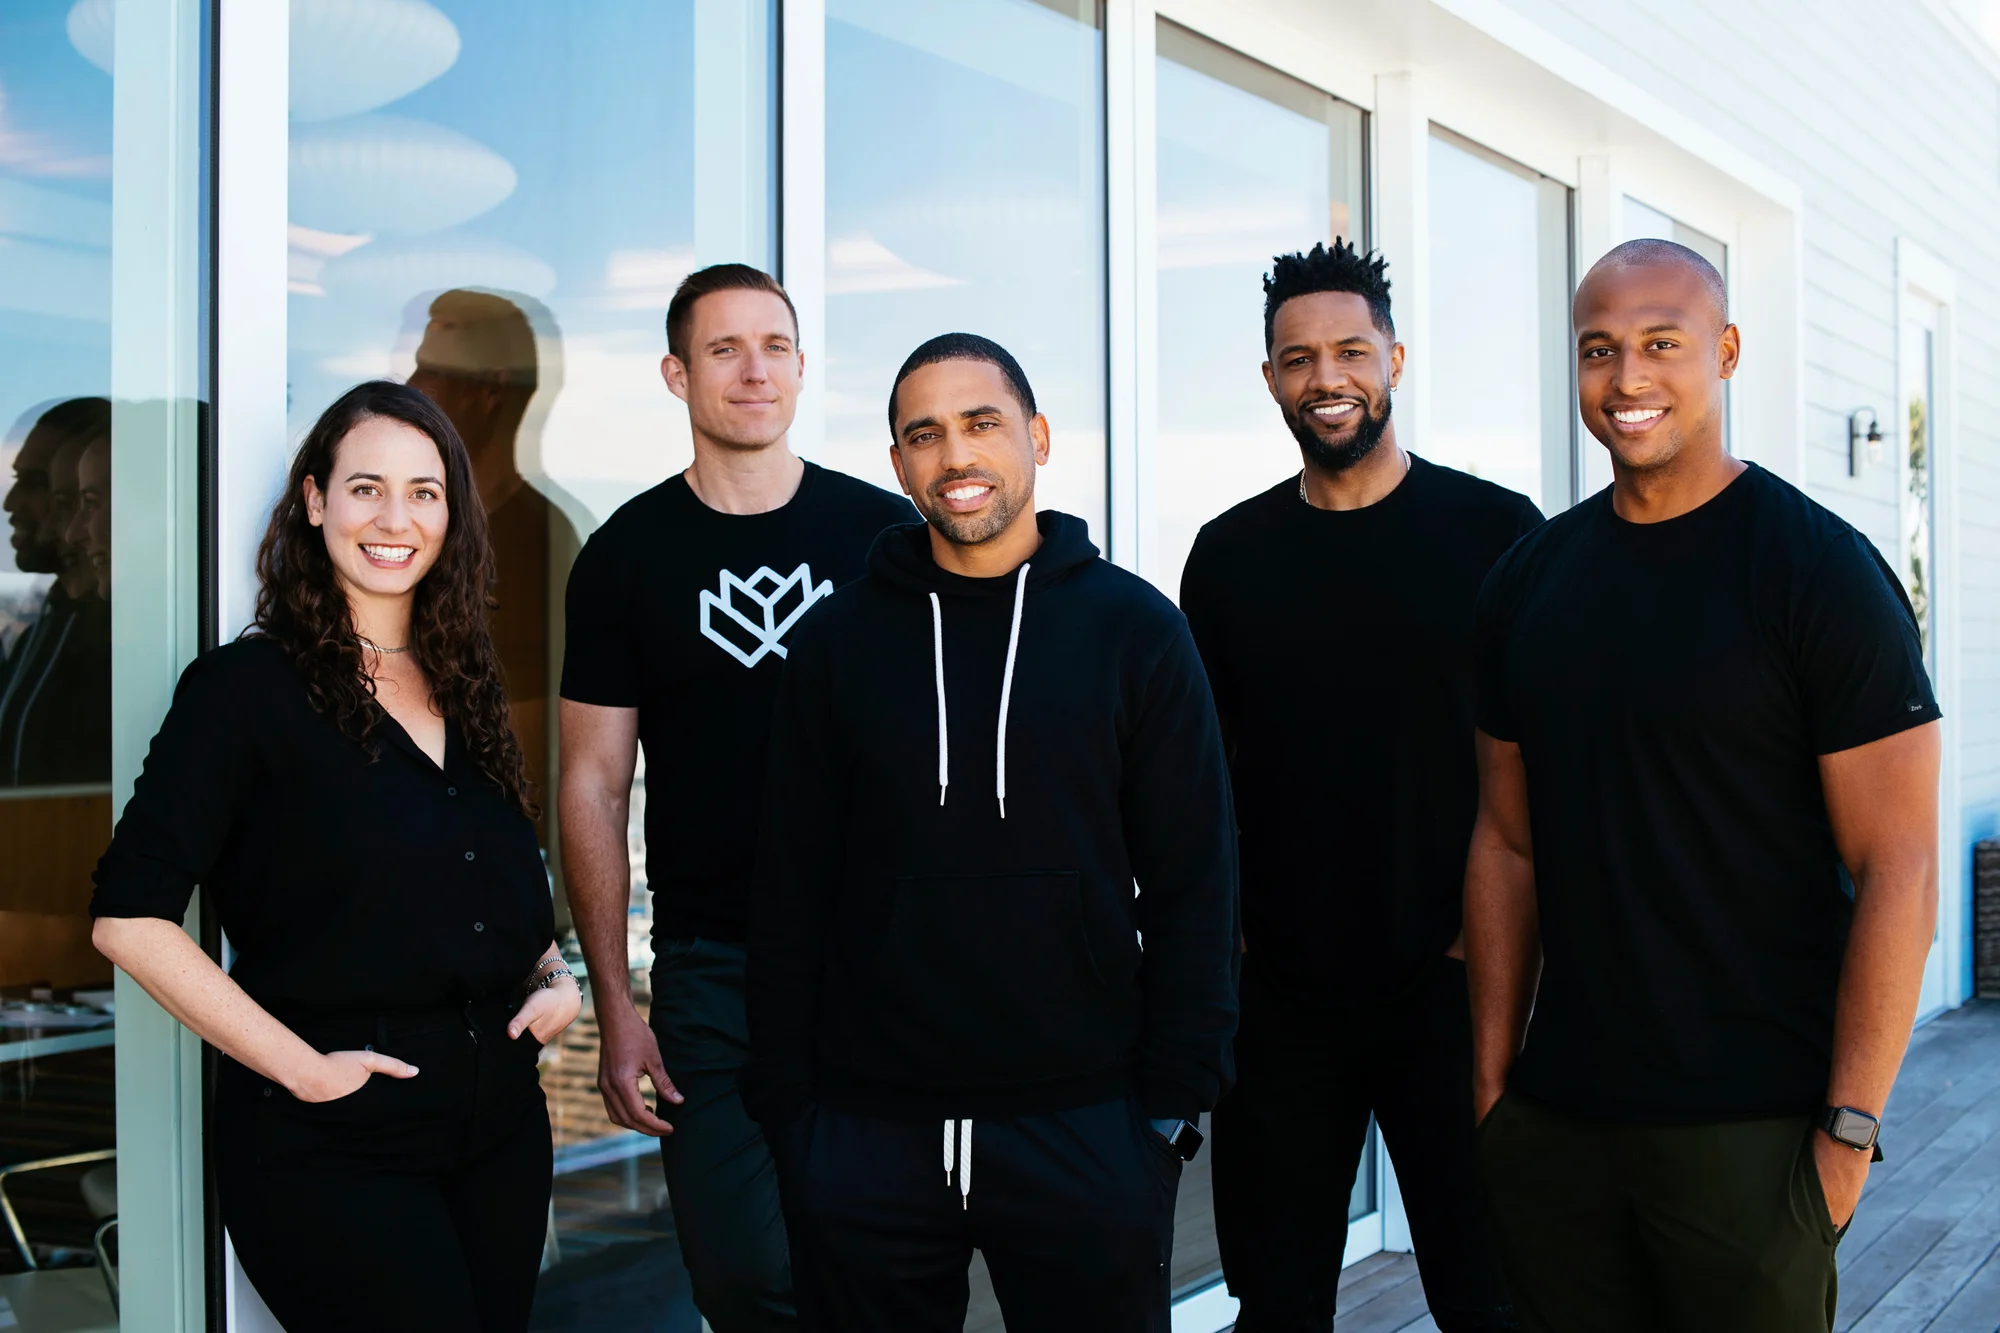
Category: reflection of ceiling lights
<point>379,173</point>
<point>356,55</point>
<point>347,55</point>
<point>860,263</point>
<point>394,271</point>
<point>89,29</point>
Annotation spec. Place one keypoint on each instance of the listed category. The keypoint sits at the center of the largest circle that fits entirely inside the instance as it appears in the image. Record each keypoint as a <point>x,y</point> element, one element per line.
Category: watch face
<point>1853,1128</point>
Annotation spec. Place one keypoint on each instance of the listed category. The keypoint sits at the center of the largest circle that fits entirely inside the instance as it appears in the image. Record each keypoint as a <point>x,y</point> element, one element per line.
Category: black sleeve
<point>1491,616</point>
<point>190,794</point>
<point>1180,832</point>
<point>1202,606</point>
<point>600,656</point>
<point>1526,519</point>
<point>800,852</point>
<point>1860,657</point>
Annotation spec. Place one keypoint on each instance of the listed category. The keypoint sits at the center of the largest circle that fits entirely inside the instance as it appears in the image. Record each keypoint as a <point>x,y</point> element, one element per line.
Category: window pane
<point>965,191</point>
<point>1499,359</point>
<point>1251,164</point>
<point>501,215</point>
<point>56,1031</point>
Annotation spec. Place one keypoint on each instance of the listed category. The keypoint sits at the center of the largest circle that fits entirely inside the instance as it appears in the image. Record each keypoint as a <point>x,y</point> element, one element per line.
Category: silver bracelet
<point>547,979</point>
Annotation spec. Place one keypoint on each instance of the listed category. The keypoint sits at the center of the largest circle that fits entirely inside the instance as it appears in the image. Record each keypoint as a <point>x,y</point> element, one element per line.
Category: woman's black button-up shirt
<point>342,883</point>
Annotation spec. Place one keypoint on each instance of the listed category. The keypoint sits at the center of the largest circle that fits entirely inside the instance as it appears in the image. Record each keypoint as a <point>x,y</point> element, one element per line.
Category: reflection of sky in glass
<point>55,228</point>
<point>965,191</point>
<point>1241,179</point>
<point>1486,415</point>
<point>525,147</point>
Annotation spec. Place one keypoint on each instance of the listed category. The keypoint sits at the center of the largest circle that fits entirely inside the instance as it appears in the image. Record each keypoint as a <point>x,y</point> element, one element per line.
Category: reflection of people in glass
<point>343,784</point>
<point>478,361</point>
<point>55,696</point>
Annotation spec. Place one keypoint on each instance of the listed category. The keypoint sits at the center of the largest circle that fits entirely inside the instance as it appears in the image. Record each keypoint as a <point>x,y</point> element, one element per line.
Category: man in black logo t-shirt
<point>680,611</point>
<point>1708,825</point>
<point>1334,613</point>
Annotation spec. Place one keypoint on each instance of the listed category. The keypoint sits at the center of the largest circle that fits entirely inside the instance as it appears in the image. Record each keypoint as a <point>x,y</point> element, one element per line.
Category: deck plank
<point>1976,1308</point>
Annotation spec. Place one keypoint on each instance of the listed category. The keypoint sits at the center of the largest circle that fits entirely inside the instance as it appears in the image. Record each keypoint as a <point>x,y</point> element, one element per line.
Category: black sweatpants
<point>1612,1228</point>
<point>410,1204</point>
<point>1074,1212</point>
<point>1289,1136</point>
<point>720,1178</point>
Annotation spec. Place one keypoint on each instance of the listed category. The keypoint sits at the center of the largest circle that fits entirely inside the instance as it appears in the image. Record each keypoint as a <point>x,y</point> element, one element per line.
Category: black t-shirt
<point>1671,686</point>
<point>682,612</point>
<point>1339,645</point>
<point>346,882</point>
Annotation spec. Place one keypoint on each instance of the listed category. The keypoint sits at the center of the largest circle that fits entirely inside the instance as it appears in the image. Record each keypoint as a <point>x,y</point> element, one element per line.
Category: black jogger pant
<point>1073,1211</point>
<point>1610,1228</point>
<point>719,1173</point>
<point>1289,1136</point>
<point>410,1204</point>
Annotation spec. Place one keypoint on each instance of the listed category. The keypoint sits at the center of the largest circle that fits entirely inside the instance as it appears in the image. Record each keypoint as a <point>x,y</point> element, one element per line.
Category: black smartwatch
<point>1181,1136</point>
<point>1852,1129</point>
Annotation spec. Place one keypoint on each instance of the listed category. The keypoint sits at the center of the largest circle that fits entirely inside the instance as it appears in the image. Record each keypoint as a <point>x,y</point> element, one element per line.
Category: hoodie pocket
<point>991,979</point>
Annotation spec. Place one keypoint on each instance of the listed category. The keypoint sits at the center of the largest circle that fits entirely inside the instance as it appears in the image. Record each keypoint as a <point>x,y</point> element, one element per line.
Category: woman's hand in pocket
<point>546,1012</point>
<point>341,1074</point>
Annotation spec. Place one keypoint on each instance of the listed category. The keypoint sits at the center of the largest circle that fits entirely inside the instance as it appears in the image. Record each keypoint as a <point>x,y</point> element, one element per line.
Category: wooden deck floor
<point>1923,1255</point>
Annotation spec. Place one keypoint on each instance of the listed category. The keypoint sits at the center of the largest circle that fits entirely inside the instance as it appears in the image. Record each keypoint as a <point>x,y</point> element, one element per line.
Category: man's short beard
<point>1340,457</point>
<point>973,529</point>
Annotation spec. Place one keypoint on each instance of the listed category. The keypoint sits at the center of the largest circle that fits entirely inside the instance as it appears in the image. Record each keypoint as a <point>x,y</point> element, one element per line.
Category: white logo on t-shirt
<point>749,626</point>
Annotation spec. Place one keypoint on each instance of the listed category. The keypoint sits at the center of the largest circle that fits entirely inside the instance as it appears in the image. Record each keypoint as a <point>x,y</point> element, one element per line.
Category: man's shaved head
<point>1649,251</point>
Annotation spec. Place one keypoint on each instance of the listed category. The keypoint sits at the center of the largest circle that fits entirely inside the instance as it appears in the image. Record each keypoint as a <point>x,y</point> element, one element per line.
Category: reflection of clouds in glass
<point>390,271</point>
<point>33,154</point>
<point>346,55</point>
<point>89,28</point>
<point>55,280</point>
<point>307,252</point>
<point>356,55</point>
<point>616,430</point>
<point>1244,232</point>
<point>644,279</point>
<point>381,173</point>
<point>35,212</point>
<point>860,263</point>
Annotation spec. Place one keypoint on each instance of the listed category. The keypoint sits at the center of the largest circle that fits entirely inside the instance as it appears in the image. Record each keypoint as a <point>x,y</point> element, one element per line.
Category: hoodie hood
<point>902,556</point>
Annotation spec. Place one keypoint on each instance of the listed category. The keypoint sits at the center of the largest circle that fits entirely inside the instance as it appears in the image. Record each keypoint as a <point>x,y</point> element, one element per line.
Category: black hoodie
<point>966,777</point>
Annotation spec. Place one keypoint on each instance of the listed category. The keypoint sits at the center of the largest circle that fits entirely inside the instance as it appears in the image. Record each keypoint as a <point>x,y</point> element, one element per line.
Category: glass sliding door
<point>1499,330</point>
<point>500,215</point>
<point>965,192</point>
<point>57,1106</point>
<point>1252,164</point>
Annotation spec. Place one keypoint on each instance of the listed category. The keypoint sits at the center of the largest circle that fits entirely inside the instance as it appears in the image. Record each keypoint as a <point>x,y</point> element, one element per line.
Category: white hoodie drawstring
<point>1006,699</point>
<point>954,1131</point>
<point>944,730</point>
<point>1007,691</point>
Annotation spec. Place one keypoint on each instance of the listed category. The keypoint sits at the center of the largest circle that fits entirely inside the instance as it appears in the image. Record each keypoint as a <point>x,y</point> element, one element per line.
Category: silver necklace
<point>1302,479</point>
<point>367,642</point>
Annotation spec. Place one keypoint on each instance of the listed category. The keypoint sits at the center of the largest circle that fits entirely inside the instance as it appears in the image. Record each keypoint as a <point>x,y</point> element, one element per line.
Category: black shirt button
<point>468,856</point>
<point>267,1089</point>
<point>479,925</point>
<point>451,791</point>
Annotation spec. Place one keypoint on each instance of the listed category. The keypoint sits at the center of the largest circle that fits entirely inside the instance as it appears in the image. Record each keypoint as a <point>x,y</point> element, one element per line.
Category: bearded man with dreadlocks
<point>1335,615</point>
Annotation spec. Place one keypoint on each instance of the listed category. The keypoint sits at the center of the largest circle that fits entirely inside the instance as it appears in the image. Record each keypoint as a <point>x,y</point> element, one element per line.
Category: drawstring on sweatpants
<point>958,1147</point>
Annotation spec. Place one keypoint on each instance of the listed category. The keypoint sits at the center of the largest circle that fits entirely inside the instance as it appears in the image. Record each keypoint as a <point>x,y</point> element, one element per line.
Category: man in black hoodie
<point>979,746</point>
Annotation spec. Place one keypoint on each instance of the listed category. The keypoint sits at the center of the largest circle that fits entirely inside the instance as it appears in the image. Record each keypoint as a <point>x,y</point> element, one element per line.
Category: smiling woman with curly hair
<point>343,783</point>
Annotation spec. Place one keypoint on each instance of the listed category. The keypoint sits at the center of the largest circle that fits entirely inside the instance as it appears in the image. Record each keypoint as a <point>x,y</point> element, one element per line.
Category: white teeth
<point>1333,409</point>
<point>966,492</point>
<point>395,554</point>
<point>1636,415</point>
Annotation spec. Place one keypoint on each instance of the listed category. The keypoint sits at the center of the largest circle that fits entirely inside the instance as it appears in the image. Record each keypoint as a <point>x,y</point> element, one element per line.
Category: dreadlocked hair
<point>1341,268</point>
<point>302,608</point>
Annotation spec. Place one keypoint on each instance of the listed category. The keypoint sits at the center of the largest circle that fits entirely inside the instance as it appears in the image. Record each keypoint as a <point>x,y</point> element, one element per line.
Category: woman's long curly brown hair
<point>300,604</point>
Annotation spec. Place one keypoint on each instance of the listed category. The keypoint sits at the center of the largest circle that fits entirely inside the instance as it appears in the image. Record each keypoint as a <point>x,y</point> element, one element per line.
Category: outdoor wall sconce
<point>1864,444</point>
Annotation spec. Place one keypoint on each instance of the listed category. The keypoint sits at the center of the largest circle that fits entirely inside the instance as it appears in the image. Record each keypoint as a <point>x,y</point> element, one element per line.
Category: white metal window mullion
<point>802,201</point>
<point>1132,280</point>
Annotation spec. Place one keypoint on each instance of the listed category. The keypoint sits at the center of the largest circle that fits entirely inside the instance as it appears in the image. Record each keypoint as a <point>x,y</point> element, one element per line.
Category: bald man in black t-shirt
<point>1705,858</point>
